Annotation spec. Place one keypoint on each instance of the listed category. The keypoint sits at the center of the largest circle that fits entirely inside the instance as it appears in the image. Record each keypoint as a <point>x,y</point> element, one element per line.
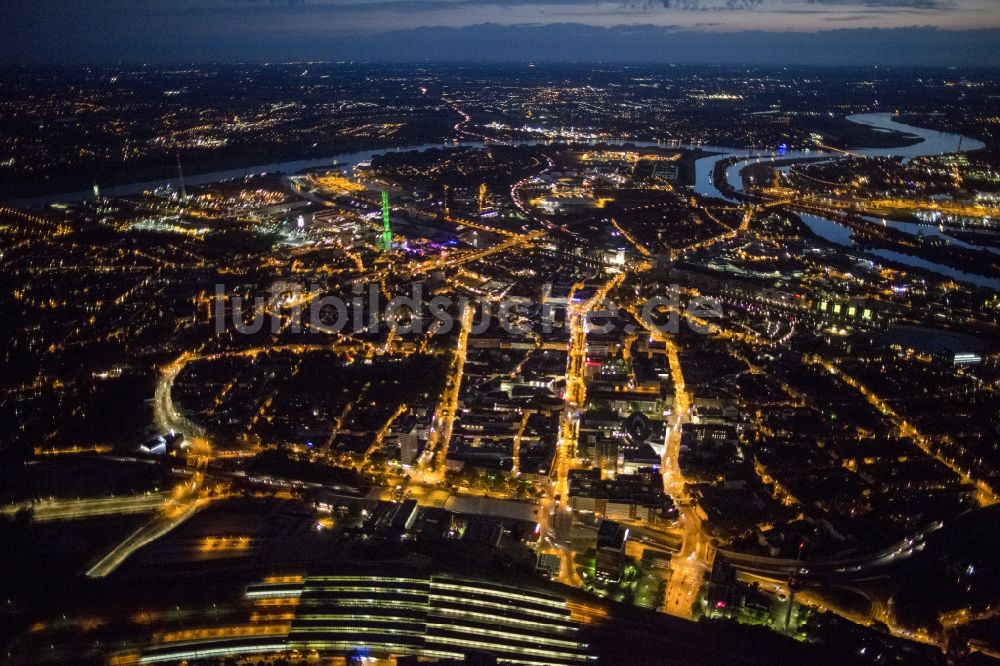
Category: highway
<point>70,509</point>
<point>166,418</point>
<point>185,501</point>
<point>186,498</point>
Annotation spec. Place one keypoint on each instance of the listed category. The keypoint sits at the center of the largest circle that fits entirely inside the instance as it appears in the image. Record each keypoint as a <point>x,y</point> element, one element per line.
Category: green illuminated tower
<point>386,229</point>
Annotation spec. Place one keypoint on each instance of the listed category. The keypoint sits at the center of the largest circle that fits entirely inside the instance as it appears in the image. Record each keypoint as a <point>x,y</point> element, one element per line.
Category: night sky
<point>948,32</point>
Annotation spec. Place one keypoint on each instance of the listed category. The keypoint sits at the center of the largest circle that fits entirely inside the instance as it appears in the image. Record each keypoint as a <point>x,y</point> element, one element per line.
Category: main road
<point>688,566</point>
<point>71,509</point>
<point>186,498</point>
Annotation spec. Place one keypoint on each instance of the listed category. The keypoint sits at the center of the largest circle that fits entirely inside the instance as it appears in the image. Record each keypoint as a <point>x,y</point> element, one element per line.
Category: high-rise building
<point>610,560</point>
<point>386,243</point>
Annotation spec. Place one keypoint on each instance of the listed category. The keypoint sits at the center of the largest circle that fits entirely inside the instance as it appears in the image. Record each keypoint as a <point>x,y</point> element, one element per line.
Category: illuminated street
<point>327,355</point>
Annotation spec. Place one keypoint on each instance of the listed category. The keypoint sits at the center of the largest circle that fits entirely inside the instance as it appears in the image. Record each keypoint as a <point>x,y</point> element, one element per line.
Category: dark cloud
<point>622,6</point>
<point>49,8</point>
<point>638,43</point>
<point>206,30</point>
<point>606,5</point>
<point>553,42</point>
<point>891,4</point>
<point>699,5</point>
<point>845,19</point>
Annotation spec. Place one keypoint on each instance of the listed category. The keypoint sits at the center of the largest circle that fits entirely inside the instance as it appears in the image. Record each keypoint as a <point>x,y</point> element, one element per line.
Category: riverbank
<point>721,177</point>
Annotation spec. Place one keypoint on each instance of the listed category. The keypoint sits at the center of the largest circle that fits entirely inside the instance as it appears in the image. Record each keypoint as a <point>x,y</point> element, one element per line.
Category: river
<point>931,142</point>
